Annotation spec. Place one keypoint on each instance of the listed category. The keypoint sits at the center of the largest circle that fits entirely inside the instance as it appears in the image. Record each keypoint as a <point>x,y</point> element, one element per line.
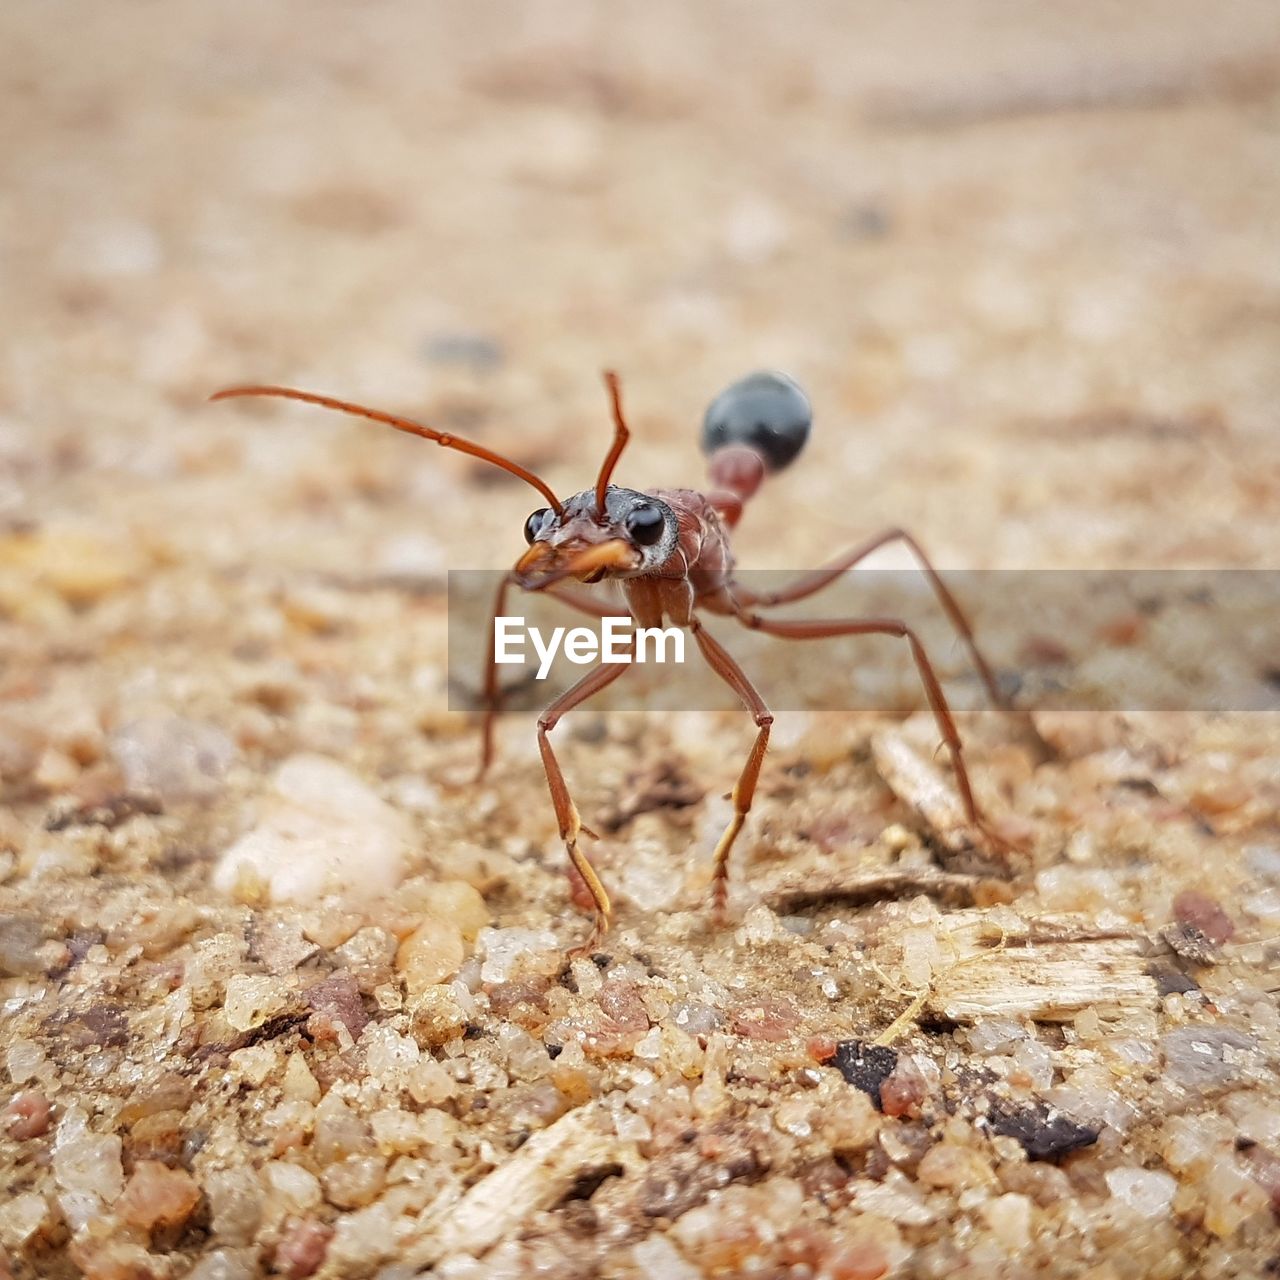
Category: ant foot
<point>720,902</point>
<point>1005,836</point>
<point>593,941</point>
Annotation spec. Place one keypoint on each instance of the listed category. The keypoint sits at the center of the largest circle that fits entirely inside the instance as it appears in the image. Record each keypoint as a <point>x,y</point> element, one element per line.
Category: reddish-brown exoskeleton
<point>670,551</point>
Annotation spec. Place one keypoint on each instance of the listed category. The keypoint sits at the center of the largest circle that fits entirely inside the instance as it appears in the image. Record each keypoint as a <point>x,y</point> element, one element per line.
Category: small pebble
<point>955,1167</point>
<point>770,1018</point>
<point>1009,1217</point>
<point>849,1123</point>
<point>157,1196</point>
<point>323,832</point>
<point>354,1182</point>
<point>437,1016</point>
<point>21,1217</point>
<point>865,1066</point>
<point>508,952</point>
<point>235,1204</point>
<point>226,1264</point>
<point>27,1116</point>
<point>1233,1196</point>
<point>251,1000</point>
<point>87,1162</point>
<point>173,758</point>
<point>1205,914</point>
<point>620,1001</point>
<point>298,1189</point>
<point>1263,861</point>
<point>81,568</point>
<point>339,1131</point>
<point>1206,1057</point>
<point>903,1089</point>
<point>432,953</point>
<point>335,1002</point>
<point>695,1018</point>
<point>299,1085</point>
<point>1146,1193</point>
<point>301,1251</point>
<point>23,1059</point>
<point>995,1035</point>
<point>658,1259</point>
<point>22,939</point>
<point>1263,906</point>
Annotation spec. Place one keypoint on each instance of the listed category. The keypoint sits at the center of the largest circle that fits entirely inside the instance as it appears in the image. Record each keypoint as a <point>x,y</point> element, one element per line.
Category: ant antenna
<point>442,438</point>
<point>620,437</point>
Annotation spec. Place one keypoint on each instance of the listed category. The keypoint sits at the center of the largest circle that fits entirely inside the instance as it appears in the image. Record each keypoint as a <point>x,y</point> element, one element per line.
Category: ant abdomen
<point>766,411</point>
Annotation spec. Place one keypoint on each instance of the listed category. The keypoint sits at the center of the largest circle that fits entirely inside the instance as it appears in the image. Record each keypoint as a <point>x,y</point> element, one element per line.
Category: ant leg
<point>812,583</point>
<point>821,628</point>
<point>492,688</point>
<point>566,811</point>
<point>744,789</point>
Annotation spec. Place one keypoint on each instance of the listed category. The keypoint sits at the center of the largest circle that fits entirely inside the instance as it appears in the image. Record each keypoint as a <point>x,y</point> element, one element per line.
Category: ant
<point>670,550</point>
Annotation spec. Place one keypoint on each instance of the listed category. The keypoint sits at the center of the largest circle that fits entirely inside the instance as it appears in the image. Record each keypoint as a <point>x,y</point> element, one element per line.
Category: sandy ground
<point>1026,269</point>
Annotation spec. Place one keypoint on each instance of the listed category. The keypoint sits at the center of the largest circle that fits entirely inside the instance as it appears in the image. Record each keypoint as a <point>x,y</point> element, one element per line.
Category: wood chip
<point>920,784</point>
<point>1048,969</point>
<point>798,891</point>
<point>537,1177</point>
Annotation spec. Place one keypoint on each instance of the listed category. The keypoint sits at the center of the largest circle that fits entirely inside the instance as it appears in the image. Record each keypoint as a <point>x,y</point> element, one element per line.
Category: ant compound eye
<point>767,412</point>
<point>645,525</point>
<point>533,525</point>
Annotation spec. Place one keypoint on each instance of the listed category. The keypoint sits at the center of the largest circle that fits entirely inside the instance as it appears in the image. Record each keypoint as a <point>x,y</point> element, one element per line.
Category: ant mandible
<point>670,550</point>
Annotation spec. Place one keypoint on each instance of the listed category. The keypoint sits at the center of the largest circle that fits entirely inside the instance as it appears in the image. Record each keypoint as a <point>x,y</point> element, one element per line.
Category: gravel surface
<point>283,989</point>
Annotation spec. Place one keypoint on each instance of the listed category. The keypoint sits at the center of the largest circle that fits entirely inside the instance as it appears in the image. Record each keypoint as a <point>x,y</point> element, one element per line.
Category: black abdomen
<point>766,411</point>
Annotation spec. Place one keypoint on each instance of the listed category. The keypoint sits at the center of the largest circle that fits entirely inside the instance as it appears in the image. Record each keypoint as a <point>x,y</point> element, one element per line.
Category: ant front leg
<point>744,790</point>
<point>566,811</point>
<point>821,629</point>
<point>492,688</point>
<point>811,583</point>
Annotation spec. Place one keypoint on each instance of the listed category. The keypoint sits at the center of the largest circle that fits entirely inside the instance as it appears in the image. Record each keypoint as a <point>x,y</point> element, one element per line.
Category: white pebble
<point>1264,906</point>
<point>324,831</point>
<point>503,950</point>
<point>20,1218</point>
<point>172,757</point>
<point>648,880</point>
<point>87,1166</point>
<point>1147,1193</point>
<point>631,1127</point>
<point>23,1059</point>
<point>1009,1217</point>
<point>390,1056</point>
<point>759,927</point>
<point>995,1035</point>
<point>296,1186</point>
<point>658,1259</point>
<point>250,1000</point>
<point>649,1046</point>
<point>225,1264</point>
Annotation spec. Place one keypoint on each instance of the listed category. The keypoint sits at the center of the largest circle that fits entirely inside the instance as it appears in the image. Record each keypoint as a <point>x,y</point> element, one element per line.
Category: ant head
<point>634,534</point>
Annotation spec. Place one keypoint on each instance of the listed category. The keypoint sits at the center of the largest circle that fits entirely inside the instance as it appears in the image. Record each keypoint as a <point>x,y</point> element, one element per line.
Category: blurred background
<point>1024,258</point>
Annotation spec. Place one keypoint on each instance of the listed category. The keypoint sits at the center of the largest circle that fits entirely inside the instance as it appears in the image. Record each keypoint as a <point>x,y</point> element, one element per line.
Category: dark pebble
<point>1044,1132</point>
<point>865,1066</point>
